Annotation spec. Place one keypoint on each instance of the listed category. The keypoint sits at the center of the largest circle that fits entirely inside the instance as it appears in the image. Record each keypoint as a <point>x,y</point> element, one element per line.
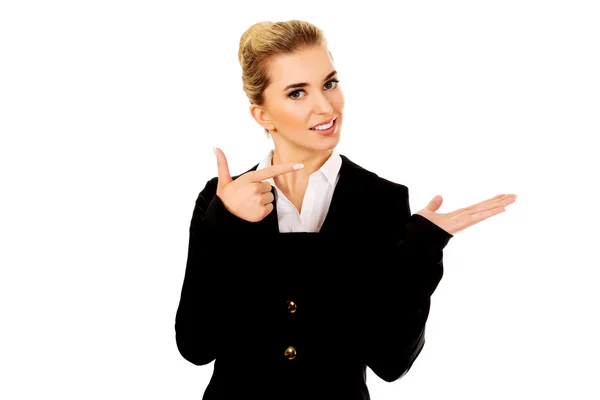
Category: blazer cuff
<point>423,234</point>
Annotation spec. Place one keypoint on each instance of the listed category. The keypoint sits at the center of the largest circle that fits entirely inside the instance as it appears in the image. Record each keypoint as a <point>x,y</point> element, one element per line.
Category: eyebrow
<point>303,84</point>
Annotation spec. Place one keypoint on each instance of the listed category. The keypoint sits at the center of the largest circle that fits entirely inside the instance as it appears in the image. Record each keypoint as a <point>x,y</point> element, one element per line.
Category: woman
<point>307,268</point>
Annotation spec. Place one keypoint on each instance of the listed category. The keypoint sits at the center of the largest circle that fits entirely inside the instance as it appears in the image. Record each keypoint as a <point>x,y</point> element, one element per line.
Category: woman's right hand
<point>248,197</point>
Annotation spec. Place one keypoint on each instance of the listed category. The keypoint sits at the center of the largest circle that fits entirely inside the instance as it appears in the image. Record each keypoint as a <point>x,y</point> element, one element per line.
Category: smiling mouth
<point>324,127</point>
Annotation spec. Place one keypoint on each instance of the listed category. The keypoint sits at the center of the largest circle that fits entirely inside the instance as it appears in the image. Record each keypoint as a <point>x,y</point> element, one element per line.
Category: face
<point>303,93</point>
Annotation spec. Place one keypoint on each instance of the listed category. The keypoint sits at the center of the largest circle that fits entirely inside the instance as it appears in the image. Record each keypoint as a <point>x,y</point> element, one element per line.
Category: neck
<point>295,183</point>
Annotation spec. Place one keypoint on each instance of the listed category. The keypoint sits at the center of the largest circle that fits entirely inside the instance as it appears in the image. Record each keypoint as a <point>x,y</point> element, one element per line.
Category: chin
<point>326,144</point>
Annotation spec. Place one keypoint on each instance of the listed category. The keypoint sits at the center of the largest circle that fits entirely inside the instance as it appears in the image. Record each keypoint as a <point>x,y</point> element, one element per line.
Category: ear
<point>260,116</point>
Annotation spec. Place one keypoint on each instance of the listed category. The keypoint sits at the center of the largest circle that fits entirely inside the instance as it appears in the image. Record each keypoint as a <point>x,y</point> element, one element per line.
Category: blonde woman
<point>307,269</point>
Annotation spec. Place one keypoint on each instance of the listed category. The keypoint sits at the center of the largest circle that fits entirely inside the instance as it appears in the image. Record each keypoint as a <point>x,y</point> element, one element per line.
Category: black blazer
<point>301,315</point>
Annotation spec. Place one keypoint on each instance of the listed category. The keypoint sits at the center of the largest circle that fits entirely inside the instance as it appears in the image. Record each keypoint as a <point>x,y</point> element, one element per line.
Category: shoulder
<point>386,203</point>
<point>369,180</point>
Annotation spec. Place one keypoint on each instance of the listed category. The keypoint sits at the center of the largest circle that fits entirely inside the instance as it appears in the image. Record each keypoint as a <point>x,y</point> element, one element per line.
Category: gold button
<point>292,307</point>
<point>290,353</point>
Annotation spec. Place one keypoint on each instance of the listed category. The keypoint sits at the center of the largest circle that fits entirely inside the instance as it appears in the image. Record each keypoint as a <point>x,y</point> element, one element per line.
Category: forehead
<point>307,65</point>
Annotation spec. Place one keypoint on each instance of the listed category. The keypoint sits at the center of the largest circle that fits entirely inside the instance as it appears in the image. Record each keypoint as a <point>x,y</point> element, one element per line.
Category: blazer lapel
<point>344,201</point>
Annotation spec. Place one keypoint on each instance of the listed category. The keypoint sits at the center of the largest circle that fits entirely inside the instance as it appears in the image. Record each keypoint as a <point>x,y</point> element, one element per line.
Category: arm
<point>404,277</point>
<point>198,328</point>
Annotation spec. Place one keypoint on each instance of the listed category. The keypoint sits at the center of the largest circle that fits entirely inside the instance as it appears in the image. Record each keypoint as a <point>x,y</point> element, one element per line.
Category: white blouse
<point>317,198</point>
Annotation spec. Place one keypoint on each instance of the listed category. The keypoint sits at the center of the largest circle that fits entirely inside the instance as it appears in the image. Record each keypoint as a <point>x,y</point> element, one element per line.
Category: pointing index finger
<point>272,171</point>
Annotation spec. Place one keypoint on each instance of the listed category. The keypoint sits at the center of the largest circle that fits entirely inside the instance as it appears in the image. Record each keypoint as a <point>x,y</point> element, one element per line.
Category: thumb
<point>435,203</point>
<point>222,168</point>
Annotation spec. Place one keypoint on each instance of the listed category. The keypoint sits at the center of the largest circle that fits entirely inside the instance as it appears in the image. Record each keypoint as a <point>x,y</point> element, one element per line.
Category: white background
<point>108,114</point>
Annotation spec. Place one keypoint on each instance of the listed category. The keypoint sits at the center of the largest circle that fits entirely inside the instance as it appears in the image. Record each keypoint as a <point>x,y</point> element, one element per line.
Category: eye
<point>292,95</point>
<point>333,82</point>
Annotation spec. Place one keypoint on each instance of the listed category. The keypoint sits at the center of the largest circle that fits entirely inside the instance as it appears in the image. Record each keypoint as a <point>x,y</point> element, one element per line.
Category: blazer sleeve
<point>405,276</point>
<point>198,322</point>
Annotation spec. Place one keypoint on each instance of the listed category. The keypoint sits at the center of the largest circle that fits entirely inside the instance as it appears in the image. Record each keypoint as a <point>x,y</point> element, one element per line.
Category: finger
<point>268,209</point>
<point>485,201</point>
<point>264,187</point>
<point>222,168</point>
<point>435,203</point>
<point>500,202</point>
<point>471,207</point>
<point>485,214</point>
<point>267,198</point>
<point>501,199</point>
<point>260,188</point>
<point>271,172</point>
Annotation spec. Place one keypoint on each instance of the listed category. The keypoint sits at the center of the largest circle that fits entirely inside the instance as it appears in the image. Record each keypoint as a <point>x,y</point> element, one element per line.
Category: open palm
<point>462,218</point>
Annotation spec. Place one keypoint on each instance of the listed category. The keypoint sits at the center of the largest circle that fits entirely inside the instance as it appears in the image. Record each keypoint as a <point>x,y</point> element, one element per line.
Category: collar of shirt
<point>330,169</point>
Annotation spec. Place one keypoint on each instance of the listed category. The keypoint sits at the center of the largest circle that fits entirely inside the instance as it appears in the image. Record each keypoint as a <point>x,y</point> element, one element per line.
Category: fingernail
<point>215,150</point>
<point>298,166</point>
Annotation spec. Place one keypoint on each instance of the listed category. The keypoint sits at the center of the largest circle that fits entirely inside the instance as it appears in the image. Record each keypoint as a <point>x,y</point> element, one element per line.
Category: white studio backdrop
<point>108,114</point>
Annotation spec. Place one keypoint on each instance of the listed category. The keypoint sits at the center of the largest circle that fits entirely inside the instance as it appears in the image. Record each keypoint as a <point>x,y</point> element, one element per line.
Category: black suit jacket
<point>301,315</point>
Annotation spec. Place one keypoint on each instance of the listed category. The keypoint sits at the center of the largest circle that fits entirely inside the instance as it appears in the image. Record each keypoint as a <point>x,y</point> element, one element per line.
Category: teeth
<point>324,127</point>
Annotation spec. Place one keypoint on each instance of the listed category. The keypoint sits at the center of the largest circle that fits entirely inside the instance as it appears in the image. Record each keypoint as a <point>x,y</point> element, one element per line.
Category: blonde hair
<point>264,40</point>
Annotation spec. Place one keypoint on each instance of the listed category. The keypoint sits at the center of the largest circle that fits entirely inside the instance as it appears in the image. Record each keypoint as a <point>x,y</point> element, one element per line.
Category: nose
<point>322,105</point>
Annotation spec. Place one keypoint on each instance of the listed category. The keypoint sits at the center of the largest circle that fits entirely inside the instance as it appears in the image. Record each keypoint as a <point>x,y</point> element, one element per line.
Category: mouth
<point>326,129</point>
<point>324,126</point>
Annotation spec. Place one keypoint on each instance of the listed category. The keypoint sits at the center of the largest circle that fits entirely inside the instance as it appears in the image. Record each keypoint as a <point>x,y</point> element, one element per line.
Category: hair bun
<point>252,32</point>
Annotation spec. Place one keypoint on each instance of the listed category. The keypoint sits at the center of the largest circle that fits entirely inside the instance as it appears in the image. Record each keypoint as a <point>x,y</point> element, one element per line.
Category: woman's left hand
<point>462,218</point>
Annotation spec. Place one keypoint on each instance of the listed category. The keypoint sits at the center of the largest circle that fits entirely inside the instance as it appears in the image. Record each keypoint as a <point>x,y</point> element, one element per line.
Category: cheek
<point>338,101</point>
<point>296,115</point>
